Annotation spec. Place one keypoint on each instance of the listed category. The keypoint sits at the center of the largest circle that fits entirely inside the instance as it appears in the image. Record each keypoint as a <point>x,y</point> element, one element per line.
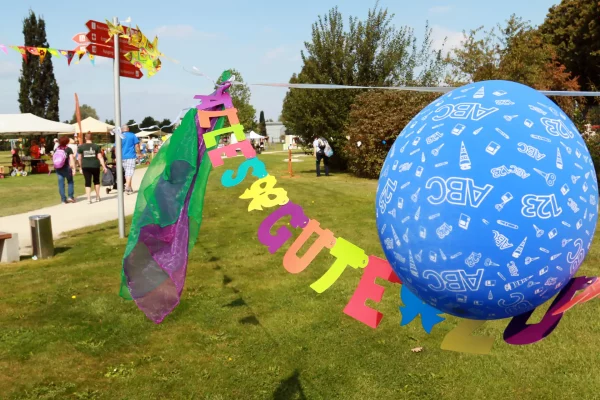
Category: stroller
<point>112,167</point>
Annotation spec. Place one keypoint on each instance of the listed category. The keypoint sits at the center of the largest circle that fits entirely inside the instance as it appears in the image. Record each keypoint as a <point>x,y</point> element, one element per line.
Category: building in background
<point>274,131</point>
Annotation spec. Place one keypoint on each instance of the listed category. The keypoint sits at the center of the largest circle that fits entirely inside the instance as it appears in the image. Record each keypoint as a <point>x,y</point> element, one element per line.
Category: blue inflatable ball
<point>487,201</point>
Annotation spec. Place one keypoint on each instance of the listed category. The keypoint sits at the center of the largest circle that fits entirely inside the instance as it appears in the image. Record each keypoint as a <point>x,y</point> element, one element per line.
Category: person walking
<point>90,160</point>
<point>64,165</point>
<point>151,147</point>
<point>130,148</point>
<point>319,146</point>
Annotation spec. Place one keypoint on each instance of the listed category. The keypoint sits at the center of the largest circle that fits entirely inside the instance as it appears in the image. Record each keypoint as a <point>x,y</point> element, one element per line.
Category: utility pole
<point>118,145</point>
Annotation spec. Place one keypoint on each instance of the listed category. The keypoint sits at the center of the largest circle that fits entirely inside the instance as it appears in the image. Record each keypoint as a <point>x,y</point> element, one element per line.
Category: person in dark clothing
<point>319,145</point>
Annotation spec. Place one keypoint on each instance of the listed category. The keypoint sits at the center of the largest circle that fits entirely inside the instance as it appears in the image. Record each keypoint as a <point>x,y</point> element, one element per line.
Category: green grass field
<point>27,193</point>
<point>247,329</point>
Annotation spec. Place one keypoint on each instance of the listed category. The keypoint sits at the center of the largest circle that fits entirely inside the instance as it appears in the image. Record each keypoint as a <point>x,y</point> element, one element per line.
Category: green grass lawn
<point>247,329</point>
<point>27,193</point>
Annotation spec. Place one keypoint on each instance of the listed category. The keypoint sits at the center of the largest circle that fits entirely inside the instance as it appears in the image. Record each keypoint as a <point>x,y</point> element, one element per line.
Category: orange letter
<point>205,116</point>
<point>368,289</point>
<point>295,264</point>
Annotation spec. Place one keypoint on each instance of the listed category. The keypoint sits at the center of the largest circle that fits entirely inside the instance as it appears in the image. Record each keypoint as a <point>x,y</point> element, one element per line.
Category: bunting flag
<point>3,48</point>
<point>21,50</point>
<point>92,59</point>
<point>32,50</point>
<point>69,55</point>
<point>42,53</point>
<point>54,52</point>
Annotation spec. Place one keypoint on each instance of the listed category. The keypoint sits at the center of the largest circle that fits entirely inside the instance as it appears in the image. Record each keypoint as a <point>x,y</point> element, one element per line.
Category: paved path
<point>67,217</point>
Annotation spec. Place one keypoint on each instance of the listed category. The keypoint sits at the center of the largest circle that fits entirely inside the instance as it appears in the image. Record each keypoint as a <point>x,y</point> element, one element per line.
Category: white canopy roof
<point>254,135</point>
<point>92,125</point>
<point>148,133</point>
<point>29,124</point>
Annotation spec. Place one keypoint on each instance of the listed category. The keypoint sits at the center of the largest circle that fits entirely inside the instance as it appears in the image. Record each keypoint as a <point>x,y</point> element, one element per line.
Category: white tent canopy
<point>254,135</point>
<point>148,133</point>
<point>92,125</point>
<point>29,124</point>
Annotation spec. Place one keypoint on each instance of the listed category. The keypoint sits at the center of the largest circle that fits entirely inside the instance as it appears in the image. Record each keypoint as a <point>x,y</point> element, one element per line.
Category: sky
<point>261,39</point>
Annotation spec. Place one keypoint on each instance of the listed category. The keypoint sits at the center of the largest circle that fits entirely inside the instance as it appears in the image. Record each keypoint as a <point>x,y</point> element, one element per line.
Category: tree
<point>132,128</point>
<point>148,122</point>
<point>166,122</point>
<point>39,93</point>
<point>516,52</point>
<point>573,27</point>
<point>370,52</point>
<point>375,117</point>
<point>85,111</point>
<point>109,122</point>
<point>262,124</point>
<point>240,96</point>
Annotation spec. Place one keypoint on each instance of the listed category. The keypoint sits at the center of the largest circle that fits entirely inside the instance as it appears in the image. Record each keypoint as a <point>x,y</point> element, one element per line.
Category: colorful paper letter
<point>237,130</point>
<point>211,101</point>
<point>460,339</point>
<point>294,264</point>
<point>413,306</point>
<point>230,151</point>
<point>283,234</point>
<point>368,289</point>
<point>258,170</point>
<point>205,116</point>
<point>518,332</point>
<point>346,254</point>
<point>588,294</point>
<point>260,195</point>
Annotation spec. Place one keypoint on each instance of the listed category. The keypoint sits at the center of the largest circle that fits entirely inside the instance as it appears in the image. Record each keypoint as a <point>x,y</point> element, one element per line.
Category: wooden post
<point>290,163</point>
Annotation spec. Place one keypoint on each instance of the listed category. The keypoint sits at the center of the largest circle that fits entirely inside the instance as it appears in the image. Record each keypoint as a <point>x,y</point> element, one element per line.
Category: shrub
<point>375,117</point>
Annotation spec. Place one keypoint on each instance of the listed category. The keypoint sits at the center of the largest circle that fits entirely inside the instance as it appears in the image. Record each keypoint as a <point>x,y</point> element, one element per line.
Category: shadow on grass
<point>57,251</point>
<point>290,388</point>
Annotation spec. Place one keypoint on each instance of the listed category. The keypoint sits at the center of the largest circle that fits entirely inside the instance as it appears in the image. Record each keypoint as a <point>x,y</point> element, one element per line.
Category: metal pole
<point>118,152</point>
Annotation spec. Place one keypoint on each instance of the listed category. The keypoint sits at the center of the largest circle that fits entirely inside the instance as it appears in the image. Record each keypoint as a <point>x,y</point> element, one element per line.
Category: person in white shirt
<point>73,147</point>
<point>55,145</point>
<point>319,148</point>
<point>151,147</point>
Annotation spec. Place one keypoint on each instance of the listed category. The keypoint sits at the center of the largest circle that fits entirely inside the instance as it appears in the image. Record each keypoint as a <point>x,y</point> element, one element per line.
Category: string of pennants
<point>42,52</point>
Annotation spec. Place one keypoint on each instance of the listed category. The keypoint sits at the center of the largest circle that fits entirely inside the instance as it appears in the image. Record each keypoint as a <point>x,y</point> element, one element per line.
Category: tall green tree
<point>39,93</point>
<point>262,124</point>
<point>515,51</point>
<point>573,27</point>
<point>85,111</point>
<point>371,52</point>
<point>240,96</point>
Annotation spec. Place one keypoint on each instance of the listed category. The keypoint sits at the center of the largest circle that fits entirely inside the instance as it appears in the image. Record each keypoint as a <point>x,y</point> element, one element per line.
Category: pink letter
<point>368,289</point>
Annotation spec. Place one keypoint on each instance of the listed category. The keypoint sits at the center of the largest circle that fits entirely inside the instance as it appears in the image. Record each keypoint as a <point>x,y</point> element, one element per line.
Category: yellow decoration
<point>260,194</point>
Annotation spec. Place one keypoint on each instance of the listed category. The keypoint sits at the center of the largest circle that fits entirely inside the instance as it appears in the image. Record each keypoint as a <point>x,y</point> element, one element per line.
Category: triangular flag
<point>81,54</point>
<point>32,50</point>
<point>3,48</point>
<point>21,50</point>
<point>69,55</point>
<point>92,60</point>
<point>42,53</point>
<point>64,52</point>
<point>54,52</point>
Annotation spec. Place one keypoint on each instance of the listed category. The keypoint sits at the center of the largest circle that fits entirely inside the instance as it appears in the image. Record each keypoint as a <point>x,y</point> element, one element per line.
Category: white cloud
<point>440,9</point>
<point>439,33</point>
<point>182,32</point>
<point>8,69</point>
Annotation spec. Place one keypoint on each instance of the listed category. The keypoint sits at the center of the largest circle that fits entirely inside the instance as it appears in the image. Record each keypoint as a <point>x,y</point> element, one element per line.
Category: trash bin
<point>41,236</point>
